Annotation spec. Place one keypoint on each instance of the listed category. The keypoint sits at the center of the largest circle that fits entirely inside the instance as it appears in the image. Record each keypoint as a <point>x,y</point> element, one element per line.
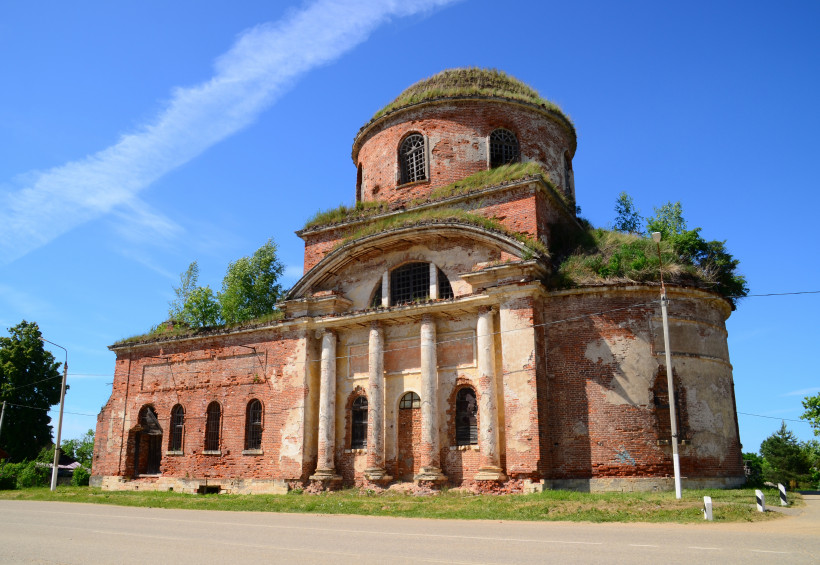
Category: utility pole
<point>60,421</point>
<point>670,384</point>
<point>2,415</point>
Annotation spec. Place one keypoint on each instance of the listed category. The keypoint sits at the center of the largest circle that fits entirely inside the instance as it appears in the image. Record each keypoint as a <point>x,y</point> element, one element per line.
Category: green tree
<point>668,220</point>
<point>627,217</point>
<point>753,464</point>
<point>187,284</point>
<point>30,382</point>
<point>250,288</point>
<point>201,308</point>
<point>80,449</point>
<point>711,258</point>
<point>785,460</point>
<point>812,413</point>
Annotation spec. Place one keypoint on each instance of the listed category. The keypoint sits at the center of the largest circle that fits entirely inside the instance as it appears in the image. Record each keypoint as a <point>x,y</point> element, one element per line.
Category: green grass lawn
<point>728,505</point>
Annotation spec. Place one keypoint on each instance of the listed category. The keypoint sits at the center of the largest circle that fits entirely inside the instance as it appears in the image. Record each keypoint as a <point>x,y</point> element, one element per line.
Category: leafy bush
<point>80,477</point>
<point>8,475</point>
<point>33,474</point>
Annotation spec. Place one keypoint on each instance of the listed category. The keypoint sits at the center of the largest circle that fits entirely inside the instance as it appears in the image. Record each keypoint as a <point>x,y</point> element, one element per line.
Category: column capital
<point>375,325</point>
<point>319,333</point>
<point>487,309</point>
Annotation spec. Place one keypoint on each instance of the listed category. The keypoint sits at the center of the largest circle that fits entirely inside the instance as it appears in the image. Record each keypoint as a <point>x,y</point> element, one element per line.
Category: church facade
<point>426,342</point>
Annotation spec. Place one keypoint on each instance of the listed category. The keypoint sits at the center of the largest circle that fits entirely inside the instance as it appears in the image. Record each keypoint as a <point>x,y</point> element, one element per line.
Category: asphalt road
<point>56,532</point>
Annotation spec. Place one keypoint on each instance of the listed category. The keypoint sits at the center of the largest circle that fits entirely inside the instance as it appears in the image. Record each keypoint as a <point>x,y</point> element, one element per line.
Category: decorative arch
<point>352,251</point>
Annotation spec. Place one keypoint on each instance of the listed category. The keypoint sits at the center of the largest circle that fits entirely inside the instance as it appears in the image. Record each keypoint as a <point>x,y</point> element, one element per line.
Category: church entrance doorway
<point>147,443</point>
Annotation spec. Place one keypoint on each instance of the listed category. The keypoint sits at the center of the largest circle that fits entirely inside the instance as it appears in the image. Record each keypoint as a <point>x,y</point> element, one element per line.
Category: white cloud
<point>811,391</point>
<point>263,62</point>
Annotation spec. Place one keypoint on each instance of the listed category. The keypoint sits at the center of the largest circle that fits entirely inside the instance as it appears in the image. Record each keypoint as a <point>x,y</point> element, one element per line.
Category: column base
<point>326,476</point>
<point>490,474</point>
<point>377,475</point>
<point>432,474</point>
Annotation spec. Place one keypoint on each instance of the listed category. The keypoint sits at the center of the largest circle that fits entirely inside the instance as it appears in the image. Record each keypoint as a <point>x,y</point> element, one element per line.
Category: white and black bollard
<point>707,508</point>
<point>783,500</point>
<point>761,501</point>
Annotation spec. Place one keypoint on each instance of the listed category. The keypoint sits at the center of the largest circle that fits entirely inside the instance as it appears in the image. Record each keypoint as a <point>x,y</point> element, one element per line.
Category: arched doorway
<point>147,442</point>
<point>409,437</point>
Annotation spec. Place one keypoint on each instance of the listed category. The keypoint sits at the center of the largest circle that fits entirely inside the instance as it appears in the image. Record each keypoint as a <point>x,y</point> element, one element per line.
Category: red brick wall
<point>193,374</point>
<point>593,436</point>
<point>457,133</point>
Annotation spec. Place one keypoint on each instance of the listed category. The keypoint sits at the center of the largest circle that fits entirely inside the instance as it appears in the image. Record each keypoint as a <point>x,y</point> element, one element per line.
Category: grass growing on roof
<point>736,505</point>
<point>170,330</point>
<point>474,182</point>
<point>344,213</point>
<point>471,81</point>
<point>438,215</point>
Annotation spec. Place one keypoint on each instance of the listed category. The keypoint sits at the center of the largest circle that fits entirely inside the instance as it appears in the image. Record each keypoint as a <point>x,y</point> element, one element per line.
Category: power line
<point>774,418</point>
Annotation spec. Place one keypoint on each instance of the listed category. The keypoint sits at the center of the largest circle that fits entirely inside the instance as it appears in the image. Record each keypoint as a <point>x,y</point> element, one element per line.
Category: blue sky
<point>136,137</point>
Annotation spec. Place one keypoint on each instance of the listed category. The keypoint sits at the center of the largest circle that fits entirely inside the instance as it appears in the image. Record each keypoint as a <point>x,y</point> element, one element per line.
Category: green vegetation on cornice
<point>601,256</point>
<point>342,213</point>
<point>472,183</point>
<point>470,82</point>
<point>170,330</point>
<point>492,177</point>
<point>443,215</point>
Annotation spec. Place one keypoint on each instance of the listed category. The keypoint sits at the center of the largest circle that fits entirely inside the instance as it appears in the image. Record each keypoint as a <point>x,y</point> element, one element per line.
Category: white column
<point>386,289</point>
<point>433,281</point>
<point>489,469</point>
<point>430,466</point>
<point>375,407</point>
<point>325,468</point>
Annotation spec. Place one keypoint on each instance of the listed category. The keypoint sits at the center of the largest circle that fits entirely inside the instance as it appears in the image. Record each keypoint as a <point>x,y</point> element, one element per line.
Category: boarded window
<point>358,438</point>
<point>213,417</point>
<point>253,425</point>
<point>466,421</point>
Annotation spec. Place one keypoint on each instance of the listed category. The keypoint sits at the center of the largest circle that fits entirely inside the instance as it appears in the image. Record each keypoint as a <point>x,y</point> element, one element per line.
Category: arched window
<point>567,173</point>
<point>358,437</point>
<point>213,417</point>
<point>409,400</point>
<point>411,159</point>
<point>147,442</point>
<point>376,301</point>
<point>466,422</point>
<point>444,288</point>
<point>503,148</point>
<point>409,283</point>
<point>253,425</point>
<point>177,428</point>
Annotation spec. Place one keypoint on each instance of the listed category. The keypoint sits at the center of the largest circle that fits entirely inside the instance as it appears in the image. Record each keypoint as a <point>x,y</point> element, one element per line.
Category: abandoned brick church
<point>428,339</point>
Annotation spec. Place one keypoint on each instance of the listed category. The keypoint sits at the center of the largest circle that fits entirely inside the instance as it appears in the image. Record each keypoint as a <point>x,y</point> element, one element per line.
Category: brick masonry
<point>580,377</point>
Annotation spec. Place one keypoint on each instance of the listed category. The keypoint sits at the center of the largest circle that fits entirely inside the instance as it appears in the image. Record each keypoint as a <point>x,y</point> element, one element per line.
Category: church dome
<point>469,82</point>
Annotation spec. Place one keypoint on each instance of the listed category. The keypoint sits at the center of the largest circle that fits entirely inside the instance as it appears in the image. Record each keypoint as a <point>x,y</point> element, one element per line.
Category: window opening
<point>411,158</point>
<point>466,421</point>
<point>409,283</point>
<point>177,428</point>
<point>409,400</point>
<point>359,174</point>
<point>444,288</point>
<point>377,296</point>
<point>253,425</point>
<point>358,438</point>
<point>503,148</point>
<point>567,172</point>
<point>212,421</point>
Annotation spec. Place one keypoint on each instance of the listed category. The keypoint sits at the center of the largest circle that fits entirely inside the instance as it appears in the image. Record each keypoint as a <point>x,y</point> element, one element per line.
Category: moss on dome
<point>470,82</point>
